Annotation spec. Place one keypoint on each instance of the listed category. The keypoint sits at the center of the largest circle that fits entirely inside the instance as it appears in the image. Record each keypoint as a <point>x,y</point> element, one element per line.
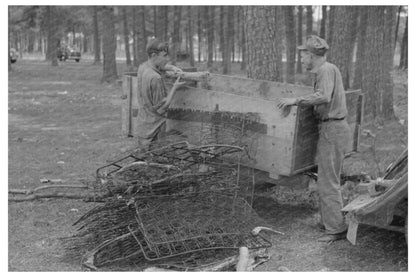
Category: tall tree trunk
<point>31,41</point>
<point>322,32</point>
<point>361,46</point>
<point>191,37</point>
<point>227,43</point>
<point>232,36</point>
<point>185,34</point>
<point>222,32</point>
<point>109,46</point>
<point>231,33</point>
<point>155,21</point>
<point>237,33</point>
<point>161,22</point>
<point>209,21</point>
<point>259,22</point>
<point>126,37</point>
<point>309,20</point>
<point>403,50</point>
<point>388,56</point>
<point>280,33</point>
<point>199,33</point>
<point>165,30</point>
<point>39,42</point>
<point>51,52</point>
<point>353,37</point>
<point>372,70</point>
<point>343,43</point>
<point>134,11</point>
<point>9,36</point>
<point>176,34</point>
<point>331,24</point>
<point>290,44</point>
<point>397,26</point>
<point>243,41</point>
<point>142,39</point>
<point>97,44</point>
<point>85,42</point>
<point>299,40</point>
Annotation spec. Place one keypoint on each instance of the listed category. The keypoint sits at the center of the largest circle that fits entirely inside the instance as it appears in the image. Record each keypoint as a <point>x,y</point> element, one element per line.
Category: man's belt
<point>332,119</point>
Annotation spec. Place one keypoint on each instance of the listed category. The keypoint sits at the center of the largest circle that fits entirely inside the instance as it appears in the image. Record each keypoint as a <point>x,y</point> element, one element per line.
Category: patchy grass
<point>64,124</point>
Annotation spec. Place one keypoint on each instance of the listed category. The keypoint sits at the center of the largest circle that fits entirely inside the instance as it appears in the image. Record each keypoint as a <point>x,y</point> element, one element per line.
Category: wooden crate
<point>282,145</point>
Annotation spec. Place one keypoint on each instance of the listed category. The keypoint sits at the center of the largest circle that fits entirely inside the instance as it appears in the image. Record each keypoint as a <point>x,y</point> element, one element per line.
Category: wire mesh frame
<point>113,250</point>
<point>220,157</point>
<point>181,154</point>
<point>166,251</point>
<point>196,223</point>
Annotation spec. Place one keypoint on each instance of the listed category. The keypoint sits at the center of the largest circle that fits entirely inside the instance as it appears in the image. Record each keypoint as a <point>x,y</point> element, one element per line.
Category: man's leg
<point>329,160</point>
<point>159,134</point>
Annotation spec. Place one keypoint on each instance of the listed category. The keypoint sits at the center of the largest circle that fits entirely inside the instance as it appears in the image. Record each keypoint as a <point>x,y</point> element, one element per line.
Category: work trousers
<point>149,143</point>
<point>334,141</point>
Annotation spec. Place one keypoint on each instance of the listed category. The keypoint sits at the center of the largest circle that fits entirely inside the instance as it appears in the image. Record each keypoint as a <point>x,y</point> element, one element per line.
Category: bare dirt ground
<point>64,124</point>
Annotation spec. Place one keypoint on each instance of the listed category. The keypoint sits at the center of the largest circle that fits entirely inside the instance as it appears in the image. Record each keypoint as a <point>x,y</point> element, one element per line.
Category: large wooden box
<point>281,144</point>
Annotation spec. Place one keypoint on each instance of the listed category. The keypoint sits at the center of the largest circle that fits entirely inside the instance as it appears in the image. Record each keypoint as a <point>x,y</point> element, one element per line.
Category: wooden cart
<point>284,144</point>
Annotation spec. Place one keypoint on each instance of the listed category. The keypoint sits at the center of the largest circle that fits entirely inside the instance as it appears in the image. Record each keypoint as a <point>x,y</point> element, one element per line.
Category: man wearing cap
<point>153,97</point>
<point>328,100</point>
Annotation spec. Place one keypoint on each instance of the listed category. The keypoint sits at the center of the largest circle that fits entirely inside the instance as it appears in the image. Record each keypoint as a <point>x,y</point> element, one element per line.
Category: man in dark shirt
<point>330,108</point>
<point>153,97</point>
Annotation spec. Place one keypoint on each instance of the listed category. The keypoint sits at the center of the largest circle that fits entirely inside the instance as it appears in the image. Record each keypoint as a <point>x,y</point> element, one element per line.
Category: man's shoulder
<point>145,71</point>
<point>327,67</point>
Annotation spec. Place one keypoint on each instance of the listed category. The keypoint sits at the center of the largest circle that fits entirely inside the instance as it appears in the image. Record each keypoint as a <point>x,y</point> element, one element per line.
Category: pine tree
<point>290,44</point>
<point>109,46</point>
<point>262,58</point>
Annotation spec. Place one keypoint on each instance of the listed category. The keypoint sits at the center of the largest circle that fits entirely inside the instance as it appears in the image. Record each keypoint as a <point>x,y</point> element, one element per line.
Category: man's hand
<point>178,84</point>
<point>173,68</point>
<point>286,102</point>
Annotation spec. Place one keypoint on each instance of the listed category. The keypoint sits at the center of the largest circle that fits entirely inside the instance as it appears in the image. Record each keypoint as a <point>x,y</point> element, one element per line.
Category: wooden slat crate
<point>281,145</point>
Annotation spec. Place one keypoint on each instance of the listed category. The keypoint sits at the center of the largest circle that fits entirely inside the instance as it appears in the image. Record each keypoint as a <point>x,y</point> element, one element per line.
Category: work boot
<point>332,237</point>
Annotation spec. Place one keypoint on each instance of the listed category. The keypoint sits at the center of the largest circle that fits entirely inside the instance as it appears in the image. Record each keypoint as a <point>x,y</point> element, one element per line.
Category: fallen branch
<point>52,195</point>
<point>221,265</point>
<point>141,163</point>
<point>31,191</point>
<point>245,261</point>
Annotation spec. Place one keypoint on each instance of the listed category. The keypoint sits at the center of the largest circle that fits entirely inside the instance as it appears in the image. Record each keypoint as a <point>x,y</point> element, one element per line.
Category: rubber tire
<point>77,60</point>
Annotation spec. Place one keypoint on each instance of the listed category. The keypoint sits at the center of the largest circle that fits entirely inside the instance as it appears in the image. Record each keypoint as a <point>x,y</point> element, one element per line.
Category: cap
<point>315,44</point>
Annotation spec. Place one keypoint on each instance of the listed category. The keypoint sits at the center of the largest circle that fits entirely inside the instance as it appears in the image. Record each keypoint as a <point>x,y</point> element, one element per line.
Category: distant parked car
<point>62,54</point>
<point>66,53</point>
<point>74,55</point>
<point>13,55</point>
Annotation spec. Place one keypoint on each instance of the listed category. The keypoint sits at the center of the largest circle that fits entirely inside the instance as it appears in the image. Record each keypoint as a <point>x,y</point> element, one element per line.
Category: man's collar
<point>152,66</point>
<point>318,65</point>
